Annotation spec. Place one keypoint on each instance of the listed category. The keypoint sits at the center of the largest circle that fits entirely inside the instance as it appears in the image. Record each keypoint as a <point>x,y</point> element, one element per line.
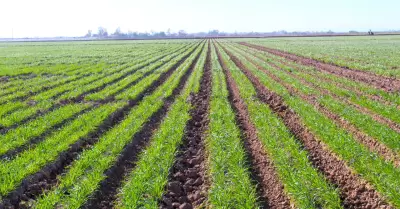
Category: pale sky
<point>49,18</point>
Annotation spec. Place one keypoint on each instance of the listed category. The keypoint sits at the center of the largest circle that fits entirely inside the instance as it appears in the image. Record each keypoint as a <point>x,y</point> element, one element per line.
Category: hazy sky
<point>46,18</point>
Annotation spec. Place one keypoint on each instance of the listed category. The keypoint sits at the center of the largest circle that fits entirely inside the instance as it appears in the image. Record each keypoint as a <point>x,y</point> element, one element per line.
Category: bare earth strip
<point>381,82</point>
<point>367,140</point>
<point>271,188</point>
<point>105,196</point>
<point>356,193</point>
<point>187,183</point>
<point>370,142</point>
<point>46,178</point>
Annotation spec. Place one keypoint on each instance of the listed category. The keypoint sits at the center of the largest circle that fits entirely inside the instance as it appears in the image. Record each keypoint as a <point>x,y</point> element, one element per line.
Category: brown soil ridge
<point>81,97</point>
<point>370,142</point>
<point>187,182</point>
<point>106,195</point>
<point>379,118</point>
<point>354,191</point>
<point>359,93</point>
<point>270,187</point>
<point>46,178</point>
<point>45,88</point>
<point>9,155</point>
<point>381,82</point>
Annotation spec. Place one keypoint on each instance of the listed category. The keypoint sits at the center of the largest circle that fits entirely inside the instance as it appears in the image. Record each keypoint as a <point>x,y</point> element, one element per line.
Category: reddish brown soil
<point>270,186</point>
<point>46,178</point>
<point>187,184</point>
<point>385,83</point>
<point>36,140</point>
<point>25,97</point>
<point>81,97</point>
<point>105,196</point>
<point>359,93</point>
<point>379,118</point>
<point>355,192</point>
<point>370,142</point>
<point>373,144</point>
<point>362,109</point>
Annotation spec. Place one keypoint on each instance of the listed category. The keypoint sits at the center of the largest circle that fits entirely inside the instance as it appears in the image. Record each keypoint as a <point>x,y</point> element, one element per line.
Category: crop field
<point>216,123</point>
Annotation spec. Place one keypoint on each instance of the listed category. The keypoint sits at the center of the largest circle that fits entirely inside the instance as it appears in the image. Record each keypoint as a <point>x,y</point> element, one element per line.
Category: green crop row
<point>22,111</point>
<point>348,83</point>
<point>87,172</point>
<point>6,108</point>
<point>228,170</point>
<point>147,181</point>
<point>76,78</point>
<point>366,123</point>
<point>112,89</point>
<point>134,91</point>
<point>33,159</point>
<point>383,176</point>
<point>133,69</point>
<point>303,184</point>
<point>389,111</point>
<point>363,53</point>
<point>22,134</point>
<point>45,103</point>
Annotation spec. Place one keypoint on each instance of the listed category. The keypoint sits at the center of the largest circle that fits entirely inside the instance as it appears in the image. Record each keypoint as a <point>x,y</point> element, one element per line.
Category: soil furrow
<point>363,138</point>
<point>21,98</point>
<point>355,192</point>
<point>163,75</point>
<point>4,79</point>
<point>105,196</point>
<point>34,141</point>
<point>38,113</point>
<point>381,82</point>
<point>269,185</point>
<point>359,93</point>
<point>46,178</point>
<point>375,116</point>
<point>82,96</point>
<point>79,77</point>
<point>187,187</point>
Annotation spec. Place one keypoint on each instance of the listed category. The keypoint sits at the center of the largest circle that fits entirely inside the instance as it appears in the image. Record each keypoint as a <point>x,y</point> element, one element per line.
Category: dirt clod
<point>189,168</point>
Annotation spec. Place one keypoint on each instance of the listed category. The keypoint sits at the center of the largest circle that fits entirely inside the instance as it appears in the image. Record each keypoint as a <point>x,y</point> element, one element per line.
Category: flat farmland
<point>213,123</point>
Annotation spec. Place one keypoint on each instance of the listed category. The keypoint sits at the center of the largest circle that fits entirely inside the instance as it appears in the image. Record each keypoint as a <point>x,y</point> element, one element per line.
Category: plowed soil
<point>270,186</point>
<point>370,142</point>
<point>187,186</point>
<point>367,140</point>
<point>46,178</point>
<point>105,196</point>
<point>381,82</point>
<point>355,192</point>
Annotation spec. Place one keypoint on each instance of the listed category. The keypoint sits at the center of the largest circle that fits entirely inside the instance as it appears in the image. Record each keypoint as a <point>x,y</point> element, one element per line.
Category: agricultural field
<point>378,54</point>
<point>216,123</point>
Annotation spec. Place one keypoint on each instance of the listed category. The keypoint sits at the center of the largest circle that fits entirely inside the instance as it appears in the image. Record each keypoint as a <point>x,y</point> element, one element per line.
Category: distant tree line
<point>118,34</point>
<point>102,33</point>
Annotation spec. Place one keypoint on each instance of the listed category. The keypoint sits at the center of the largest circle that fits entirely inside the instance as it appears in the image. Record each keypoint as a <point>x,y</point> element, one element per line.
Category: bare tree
<point>89,33</point>
<point>182,33</point>
<point>102,32</point>
<point>117,32</point>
